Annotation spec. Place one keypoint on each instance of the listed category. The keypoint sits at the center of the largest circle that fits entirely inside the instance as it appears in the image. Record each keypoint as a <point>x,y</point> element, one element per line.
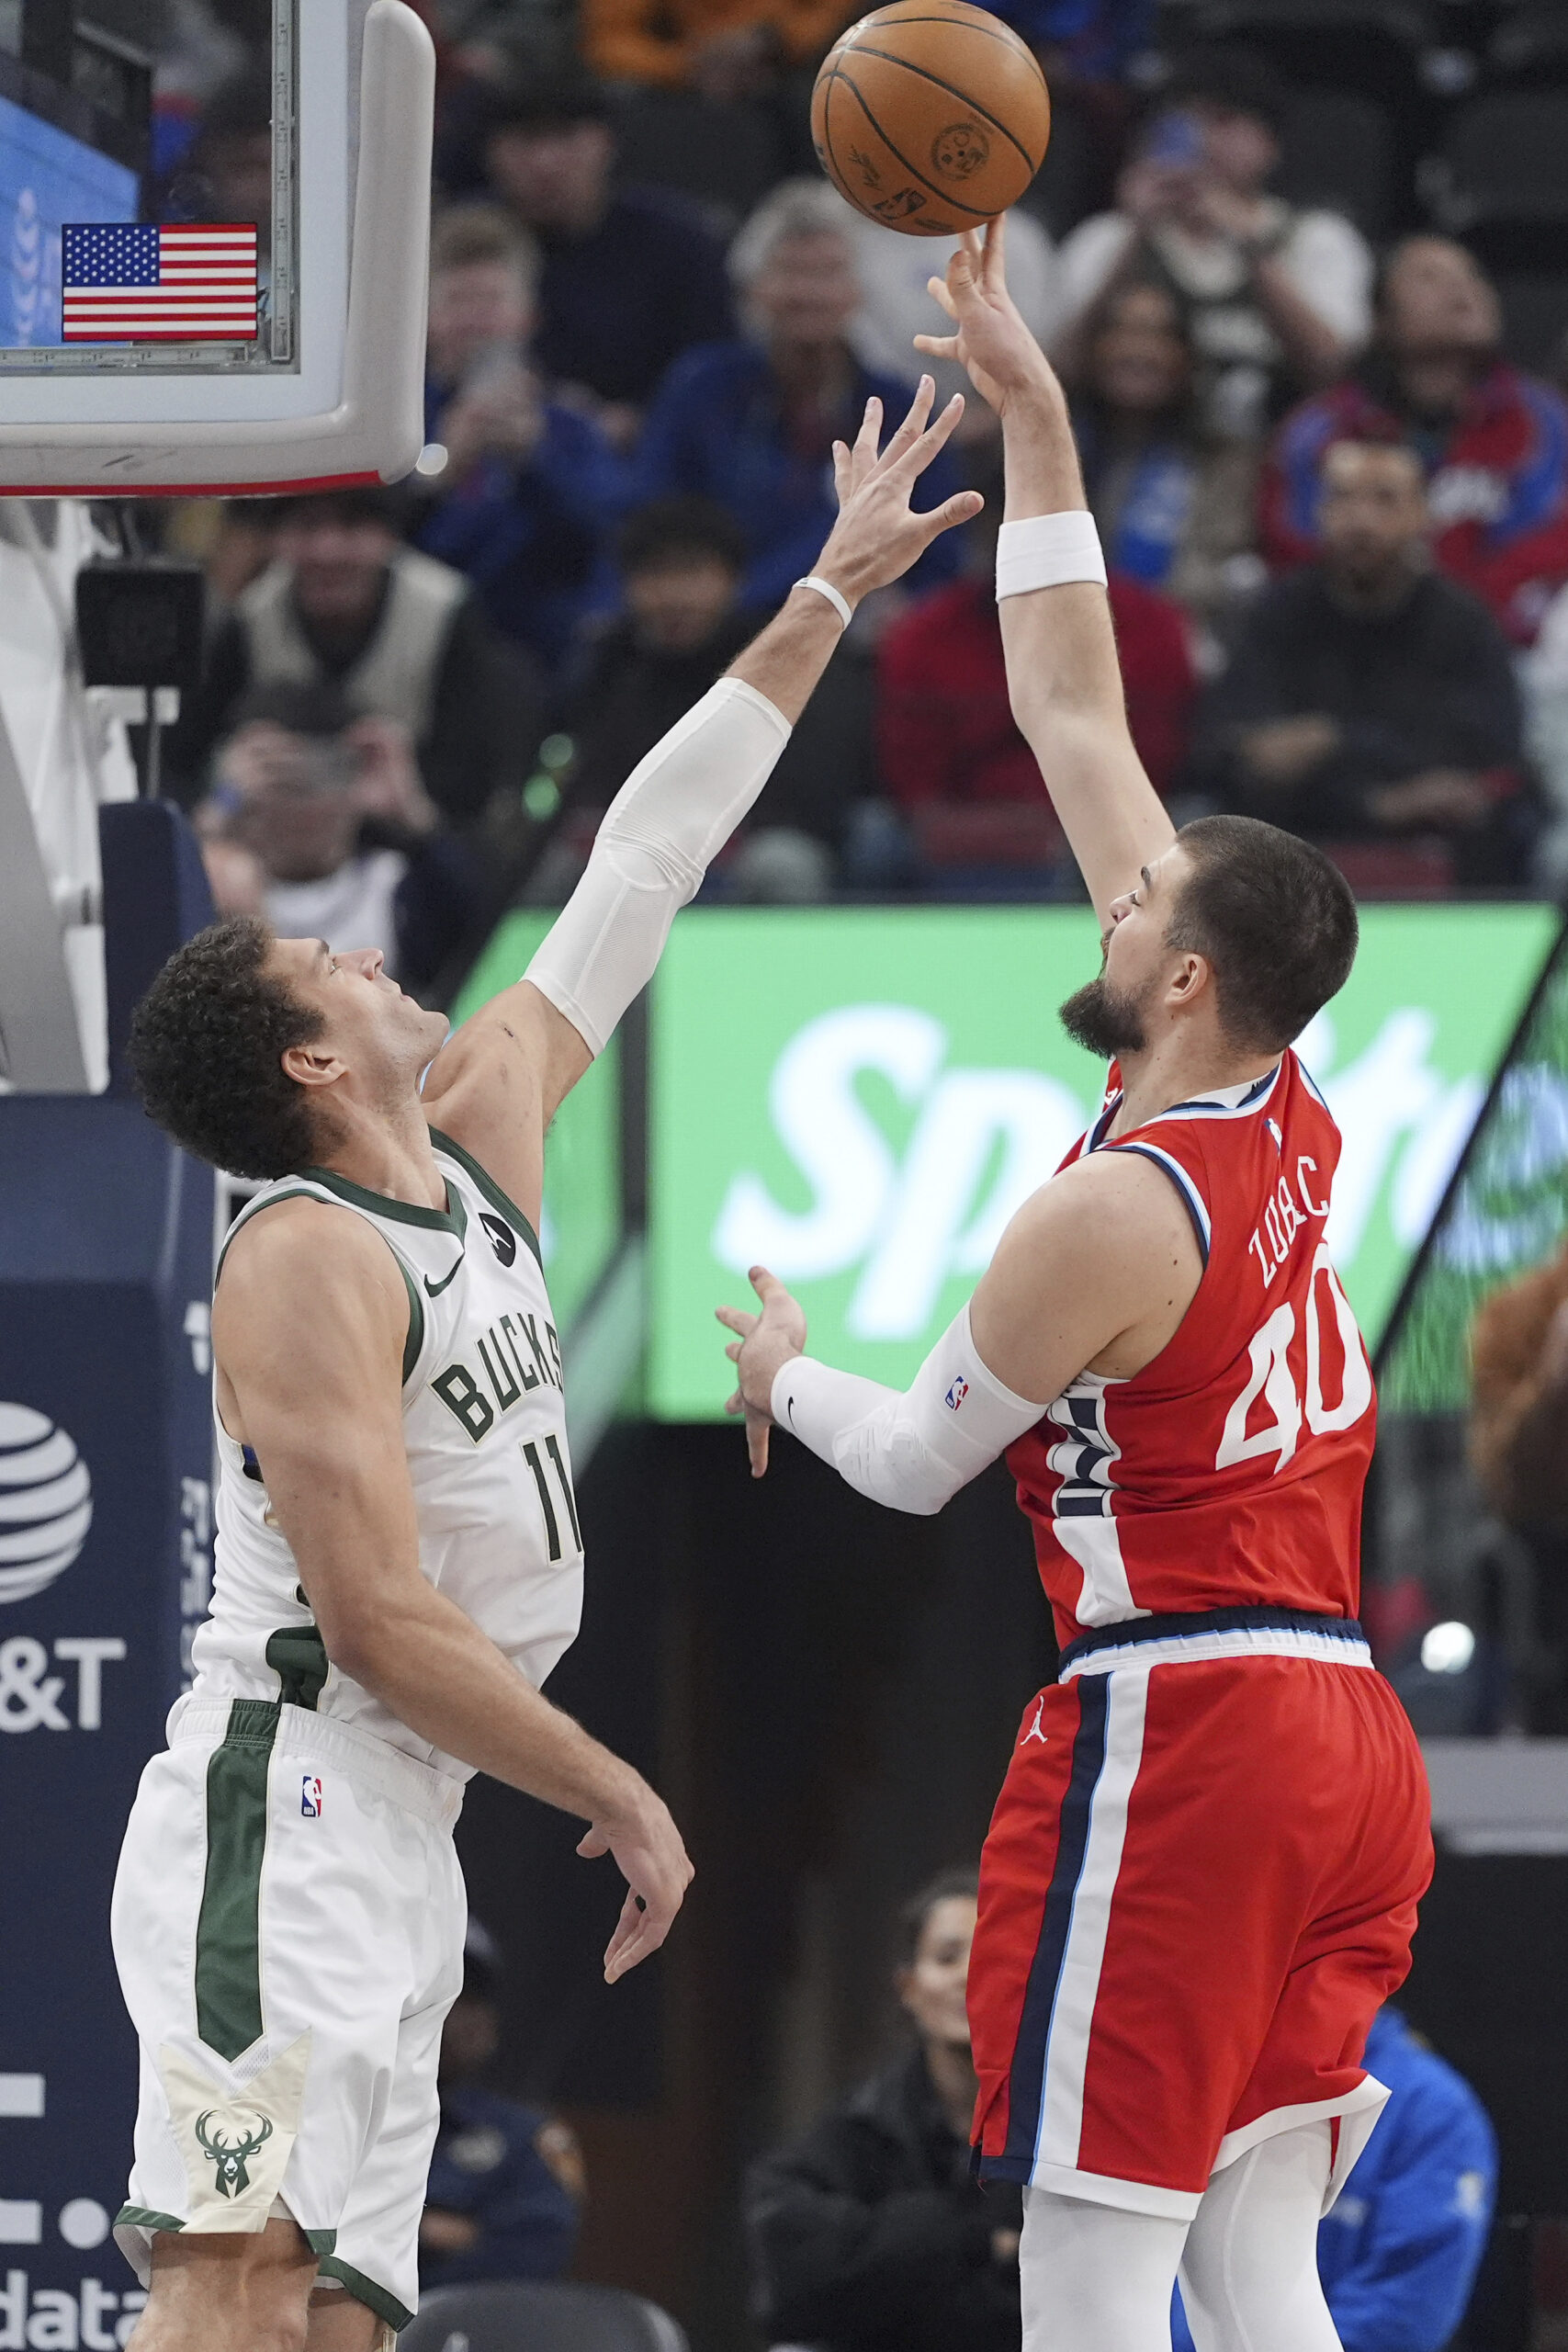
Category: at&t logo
<point>46,1502</point>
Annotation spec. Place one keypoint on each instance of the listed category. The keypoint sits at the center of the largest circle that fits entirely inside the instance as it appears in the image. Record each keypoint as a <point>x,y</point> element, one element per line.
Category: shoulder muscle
<point>496,1085</point>
<point>311,1304</point>
<point>1101,1262</point>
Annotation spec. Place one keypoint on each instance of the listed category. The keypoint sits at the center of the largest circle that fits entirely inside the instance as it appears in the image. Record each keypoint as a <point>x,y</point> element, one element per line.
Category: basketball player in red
<point>1201,1876</point>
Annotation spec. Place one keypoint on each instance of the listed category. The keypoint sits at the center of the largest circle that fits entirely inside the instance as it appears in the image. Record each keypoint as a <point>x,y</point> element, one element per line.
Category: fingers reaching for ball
<point>992,341</point>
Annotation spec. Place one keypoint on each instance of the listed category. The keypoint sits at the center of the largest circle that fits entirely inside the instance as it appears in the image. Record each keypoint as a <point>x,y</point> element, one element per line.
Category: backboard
<point>214,228</point>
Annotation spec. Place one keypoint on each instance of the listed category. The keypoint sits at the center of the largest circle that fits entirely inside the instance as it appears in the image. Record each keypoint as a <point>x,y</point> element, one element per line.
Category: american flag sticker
<point>149,282</point>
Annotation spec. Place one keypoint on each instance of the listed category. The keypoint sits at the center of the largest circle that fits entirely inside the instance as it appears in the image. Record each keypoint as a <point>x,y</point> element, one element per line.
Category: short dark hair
<point>469,233</point>
<point>385,503</point>
<point>534,102</point>
<point>1232,81</point>
<point>947,1886</point>
<point>1383,440</point>
<point>207,1047</point>
<point>667,529</point>
<point>1276,919</point>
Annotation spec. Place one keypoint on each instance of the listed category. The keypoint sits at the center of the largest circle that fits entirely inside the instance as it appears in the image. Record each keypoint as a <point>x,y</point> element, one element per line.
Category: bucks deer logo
<point>230,2155</point>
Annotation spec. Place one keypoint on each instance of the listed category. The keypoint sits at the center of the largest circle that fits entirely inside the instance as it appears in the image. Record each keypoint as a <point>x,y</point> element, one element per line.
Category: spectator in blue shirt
<point>506,2185</point>
<point>629,276</point>
<point>531,489</point>
<point>1093,41</point>
<point>752,424</point>
<point>1400,2248</point>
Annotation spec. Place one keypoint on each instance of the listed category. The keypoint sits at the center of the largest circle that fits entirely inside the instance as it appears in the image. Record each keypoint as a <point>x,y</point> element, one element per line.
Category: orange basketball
<point>931,117</point>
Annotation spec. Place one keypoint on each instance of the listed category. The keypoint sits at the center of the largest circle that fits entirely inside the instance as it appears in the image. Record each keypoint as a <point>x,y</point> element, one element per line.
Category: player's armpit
<point>498,1082</point>
<point>1093,1274</point>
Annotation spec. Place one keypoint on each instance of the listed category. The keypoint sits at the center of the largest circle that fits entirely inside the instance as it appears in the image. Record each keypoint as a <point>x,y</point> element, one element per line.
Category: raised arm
<point>497,1084</point>
<point>307,1327</point>
<point>1063,674</point>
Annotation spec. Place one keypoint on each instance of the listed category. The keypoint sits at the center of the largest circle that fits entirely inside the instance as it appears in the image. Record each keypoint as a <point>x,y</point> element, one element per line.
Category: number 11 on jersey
<point>542,1480</point>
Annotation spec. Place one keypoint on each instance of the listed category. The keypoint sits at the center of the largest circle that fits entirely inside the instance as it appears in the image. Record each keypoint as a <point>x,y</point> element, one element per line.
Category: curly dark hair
<point>207,1043</point>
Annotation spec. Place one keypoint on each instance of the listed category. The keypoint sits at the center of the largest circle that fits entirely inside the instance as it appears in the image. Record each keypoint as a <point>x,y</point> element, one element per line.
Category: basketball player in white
<point>398,1562</point>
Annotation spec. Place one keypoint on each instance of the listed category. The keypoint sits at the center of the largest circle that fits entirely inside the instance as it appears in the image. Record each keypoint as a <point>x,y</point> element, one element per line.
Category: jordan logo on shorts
<point>1034,1731</point>
<point>311,1796</point>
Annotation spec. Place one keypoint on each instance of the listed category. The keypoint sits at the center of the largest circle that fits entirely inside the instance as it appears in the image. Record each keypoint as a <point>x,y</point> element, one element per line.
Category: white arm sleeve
<point>914,1450</point>
<point>675,810</point>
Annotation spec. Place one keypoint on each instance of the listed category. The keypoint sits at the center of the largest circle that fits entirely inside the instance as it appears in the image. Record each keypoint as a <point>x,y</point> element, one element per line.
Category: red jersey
<point>1228,1473</point>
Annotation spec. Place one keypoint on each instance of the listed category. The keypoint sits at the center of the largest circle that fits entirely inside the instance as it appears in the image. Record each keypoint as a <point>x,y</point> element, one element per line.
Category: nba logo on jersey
<point>311,1796</point>
<point>956,1394</point>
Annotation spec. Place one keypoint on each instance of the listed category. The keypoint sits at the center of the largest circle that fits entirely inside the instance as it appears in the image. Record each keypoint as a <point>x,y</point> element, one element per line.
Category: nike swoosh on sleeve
<point>435,1289</point>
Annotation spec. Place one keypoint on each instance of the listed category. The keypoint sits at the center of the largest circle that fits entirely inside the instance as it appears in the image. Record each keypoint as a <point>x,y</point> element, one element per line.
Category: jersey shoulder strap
<point>306,1186</point>
<point>484,1183</point>
<point>1181,1141</point>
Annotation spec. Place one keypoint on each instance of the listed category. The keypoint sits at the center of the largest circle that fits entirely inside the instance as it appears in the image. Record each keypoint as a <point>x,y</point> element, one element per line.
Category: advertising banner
<point>861,1098</point>
<point>106,1535</point>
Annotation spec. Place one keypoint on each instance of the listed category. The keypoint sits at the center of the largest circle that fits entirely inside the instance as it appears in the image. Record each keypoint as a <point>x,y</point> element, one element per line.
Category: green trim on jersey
<point>452,1219</point>
<point>416,1337</point>
<point>255,1208</point>
<point>491,1189</point>
<point>141,2217</point>
<point>364,2291</point>
<point>298,1656</point>
<point>415,1340</point>
<point>321,2241</point>
<point>228,1929</point>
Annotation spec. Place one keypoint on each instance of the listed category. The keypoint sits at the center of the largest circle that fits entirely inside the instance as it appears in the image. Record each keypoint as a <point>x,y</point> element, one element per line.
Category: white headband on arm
<point>914,1450</point>
<point>1048,552</point>
<point>674,812</point>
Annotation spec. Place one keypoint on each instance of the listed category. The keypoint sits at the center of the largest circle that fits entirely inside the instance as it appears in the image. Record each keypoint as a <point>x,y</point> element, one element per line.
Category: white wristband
<point>840,604</point>
<point>1048,552</point>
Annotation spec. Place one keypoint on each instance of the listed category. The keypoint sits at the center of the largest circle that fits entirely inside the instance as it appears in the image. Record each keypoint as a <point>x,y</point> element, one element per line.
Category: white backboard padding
<point>61,756</point>
<point>353,411</point>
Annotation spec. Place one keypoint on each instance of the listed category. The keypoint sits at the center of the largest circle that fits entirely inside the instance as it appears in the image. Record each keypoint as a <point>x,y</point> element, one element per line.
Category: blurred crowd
<point>869,2234</point>
<point>1325,437</point>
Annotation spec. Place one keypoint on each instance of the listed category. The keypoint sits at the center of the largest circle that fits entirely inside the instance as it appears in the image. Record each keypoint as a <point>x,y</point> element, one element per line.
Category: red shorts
<point>1199,1884</point>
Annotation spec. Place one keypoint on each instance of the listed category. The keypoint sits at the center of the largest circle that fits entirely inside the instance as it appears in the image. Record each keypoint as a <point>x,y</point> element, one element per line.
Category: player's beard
<point>1106,1022</point>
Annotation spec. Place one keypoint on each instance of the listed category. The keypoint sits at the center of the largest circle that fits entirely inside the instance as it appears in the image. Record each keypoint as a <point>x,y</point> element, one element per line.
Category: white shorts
<point>288,1922</point>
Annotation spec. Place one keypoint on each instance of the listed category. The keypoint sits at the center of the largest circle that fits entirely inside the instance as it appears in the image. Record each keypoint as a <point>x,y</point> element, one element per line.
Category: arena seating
<point>517,2317</point>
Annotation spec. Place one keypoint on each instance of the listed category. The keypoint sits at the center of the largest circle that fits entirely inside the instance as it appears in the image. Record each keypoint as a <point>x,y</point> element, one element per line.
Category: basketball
<point>931,117</point>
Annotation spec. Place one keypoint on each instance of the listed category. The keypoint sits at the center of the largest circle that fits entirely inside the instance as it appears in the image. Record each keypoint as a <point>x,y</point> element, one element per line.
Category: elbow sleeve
<point>912,1449</point>
<point>674,812</point>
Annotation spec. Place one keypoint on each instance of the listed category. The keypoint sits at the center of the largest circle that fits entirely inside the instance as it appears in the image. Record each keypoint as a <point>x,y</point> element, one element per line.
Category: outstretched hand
<point>647,1850</point>
<point>989,337</point>
<point>878,536</point>
<point>765,1343</point>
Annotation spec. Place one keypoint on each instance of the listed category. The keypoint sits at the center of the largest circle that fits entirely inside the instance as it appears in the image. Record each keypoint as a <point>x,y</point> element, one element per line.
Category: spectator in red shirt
<point>951,758</point>
<point>1494,443</point>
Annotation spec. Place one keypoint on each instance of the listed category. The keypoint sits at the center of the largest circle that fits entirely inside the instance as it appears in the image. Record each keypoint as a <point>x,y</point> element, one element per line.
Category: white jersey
<point>484,1422</point>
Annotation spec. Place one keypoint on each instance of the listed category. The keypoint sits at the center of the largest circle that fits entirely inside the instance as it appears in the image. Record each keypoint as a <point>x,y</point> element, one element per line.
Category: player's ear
<point>1191,976</point>
<point>314,1065</point>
